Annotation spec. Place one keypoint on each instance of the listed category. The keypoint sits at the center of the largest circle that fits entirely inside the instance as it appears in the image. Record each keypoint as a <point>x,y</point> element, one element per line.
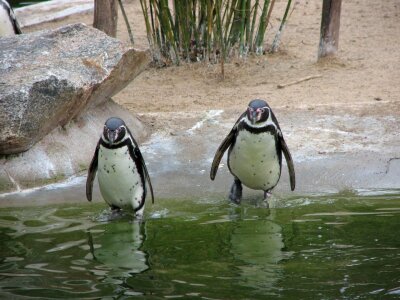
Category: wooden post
<point>106,16</point>
<point>330,24</point>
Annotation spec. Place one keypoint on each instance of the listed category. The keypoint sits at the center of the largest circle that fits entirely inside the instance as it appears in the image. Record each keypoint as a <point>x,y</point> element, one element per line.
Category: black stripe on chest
<point>125,143</point>
<point>256,130</point>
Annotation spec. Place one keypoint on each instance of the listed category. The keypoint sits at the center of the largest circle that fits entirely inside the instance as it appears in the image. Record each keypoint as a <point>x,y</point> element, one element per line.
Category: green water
<point>331,247</point>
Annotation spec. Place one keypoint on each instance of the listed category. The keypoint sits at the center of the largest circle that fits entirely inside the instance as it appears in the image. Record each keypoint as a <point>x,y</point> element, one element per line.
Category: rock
<point>48,78</point>
<point>65,151</point>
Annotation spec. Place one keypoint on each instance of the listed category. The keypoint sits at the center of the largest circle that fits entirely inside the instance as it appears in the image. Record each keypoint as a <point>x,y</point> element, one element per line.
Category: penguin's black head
<point>114,130</point>
<point>258,111</point>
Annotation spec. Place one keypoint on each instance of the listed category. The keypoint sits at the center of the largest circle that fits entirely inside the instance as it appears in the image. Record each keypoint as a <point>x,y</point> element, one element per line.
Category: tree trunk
<point>106,16</point>
<point>330,24</point>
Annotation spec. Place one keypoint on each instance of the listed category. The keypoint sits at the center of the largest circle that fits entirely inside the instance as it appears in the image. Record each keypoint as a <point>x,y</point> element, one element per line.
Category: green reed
<point>207,30</point>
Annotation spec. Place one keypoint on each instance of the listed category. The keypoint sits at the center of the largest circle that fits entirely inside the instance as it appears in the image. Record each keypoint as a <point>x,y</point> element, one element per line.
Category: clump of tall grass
<point>210,30</point>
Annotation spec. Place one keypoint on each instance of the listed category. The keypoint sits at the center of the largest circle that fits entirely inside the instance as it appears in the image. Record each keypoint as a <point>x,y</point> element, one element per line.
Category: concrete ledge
<point>347,154</point>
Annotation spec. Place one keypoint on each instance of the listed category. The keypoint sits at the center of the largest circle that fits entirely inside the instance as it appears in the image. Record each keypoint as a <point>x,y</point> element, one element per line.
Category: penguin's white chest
<point>254,160</point>
<point>119,181</point>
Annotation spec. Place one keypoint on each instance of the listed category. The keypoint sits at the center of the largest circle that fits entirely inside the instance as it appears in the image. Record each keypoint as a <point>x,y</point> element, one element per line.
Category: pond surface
<point>342,246</point>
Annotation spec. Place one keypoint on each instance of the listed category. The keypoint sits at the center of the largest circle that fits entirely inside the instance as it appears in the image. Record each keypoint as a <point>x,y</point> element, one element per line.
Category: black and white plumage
<point>255,151</point>
<point>8,22</point>
<point>121,170</point>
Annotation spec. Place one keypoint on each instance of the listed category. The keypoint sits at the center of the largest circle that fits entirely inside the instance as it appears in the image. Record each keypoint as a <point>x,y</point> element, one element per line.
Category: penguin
<point>121,170</point>
<point>255,151</point>
<point>8,22</point>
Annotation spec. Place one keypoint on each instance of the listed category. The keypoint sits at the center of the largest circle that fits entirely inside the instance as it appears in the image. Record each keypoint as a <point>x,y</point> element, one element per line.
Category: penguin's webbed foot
<point>139,215</point>
<point>115,208</point>
<point>267,194</point>
<point>116,212</point>
<point>236,192</point>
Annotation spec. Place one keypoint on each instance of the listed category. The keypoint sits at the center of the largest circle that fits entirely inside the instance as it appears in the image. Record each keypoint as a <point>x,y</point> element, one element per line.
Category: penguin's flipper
<point>138,154</point>
<point>141,160</point>
<point>220,152</point>
<point>289,161</point>
<point>226,143</point>
<point>92,173</point>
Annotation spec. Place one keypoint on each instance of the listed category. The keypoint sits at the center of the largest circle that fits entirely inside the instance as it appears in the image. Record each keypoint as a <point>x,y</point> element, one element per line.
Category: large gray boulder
<point>49,77</point>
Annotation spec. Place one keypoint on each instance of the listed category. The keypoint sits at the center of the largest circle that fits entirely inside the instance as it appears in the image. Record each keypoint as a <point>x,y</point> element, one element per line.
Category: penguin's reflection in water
<point>117,247</point>
<point>257,245</point>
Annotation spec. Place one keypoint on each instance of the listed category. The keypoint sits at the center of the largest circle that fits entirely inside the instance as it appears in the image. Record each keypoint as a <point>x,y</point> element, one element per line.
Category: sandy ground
<point>363,78</point>
<point>342,127</point>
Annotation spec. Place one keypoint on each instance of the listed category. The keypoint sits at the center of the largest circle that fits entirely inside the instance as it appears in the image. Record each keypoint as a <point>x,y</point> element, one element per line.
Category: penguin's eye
<point>251,109</point>
<point>260,110</point>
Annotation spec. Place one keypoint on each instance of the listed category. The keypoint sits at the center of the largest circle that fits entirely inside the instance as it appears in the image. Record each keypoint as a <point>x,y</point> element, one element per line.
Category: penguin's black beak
<point>112,136</point>
<point>253,117</point>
